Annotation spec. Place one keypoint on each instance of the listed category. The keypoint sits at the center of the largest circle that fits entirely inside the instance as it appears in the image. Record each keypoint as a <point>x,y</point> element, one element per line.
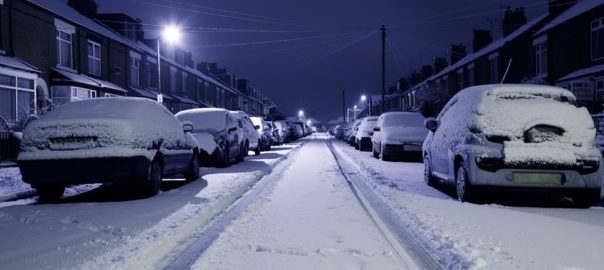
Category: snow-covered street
<point>298,210</point>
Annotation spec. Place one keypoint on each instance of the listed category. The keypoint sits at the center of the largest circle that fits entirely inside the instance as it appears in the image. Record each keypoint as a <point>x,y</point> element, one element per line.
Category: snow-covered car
<point>298,133</point>
<point>265,132</point>
<point>363,136</point>
<point>398,134</point>
<point>251,136</point>
<point>275,137</point>
<point>354,127</point>
<point>216,134</point>
<point>284,131</point>
<point>110,140</point>
<point>514,137</point>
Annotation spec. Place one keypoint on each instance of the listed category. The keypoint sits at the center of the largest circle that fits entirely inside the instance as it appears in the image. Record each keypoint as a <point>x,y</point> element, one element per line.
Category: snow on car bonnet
<point>210,120</point>
<point>536,124</point>
<point>104,127</point>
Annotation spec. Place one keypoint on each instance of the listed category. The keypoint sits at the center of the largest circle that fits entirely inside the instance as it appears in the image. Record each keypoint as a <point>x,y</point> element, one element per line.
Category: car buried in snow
<point>251,138</point>
<point>363,135</point>
<point>398,135</point>
<point>514,137</point>
<point>130,141</point>
<point>216,134</point>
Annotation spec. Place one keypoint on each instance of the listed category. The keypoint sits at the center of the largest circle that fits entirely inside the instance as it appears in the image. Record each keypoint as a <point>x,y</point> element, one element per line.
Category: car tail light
<point>588,166</point>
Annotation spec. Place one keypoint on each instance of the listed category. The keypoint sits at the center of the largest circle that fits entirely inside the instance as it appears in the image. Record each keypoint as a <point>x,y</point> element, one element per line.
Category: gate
<point>7,151</point>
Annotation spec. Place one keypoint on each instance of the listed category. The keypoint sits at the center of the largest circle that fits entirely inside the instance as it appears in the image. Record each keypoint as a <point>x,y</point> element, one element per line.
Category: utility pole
<point>344,105</point>
<point>383,29</point>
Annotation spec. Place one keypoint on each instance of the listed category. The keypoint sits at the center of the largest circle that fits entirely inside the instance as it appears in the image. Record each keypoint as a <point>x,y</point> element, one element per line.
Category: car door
<point>377,135</point>
<point>442,139</point>
<point>232,136</point>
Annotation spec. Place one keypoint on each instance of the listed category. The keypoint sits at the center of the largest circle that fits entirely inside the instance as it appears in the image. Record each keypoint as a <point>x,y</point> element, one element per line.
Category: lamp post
<point>354,111</point>
<point>170,34</point>
<point>364,99</point>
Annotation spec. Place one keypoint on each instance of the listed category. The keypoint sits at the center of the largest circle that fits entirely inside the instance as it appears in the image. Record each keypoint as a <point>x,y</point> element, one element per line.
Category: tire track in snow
<point>401,241</point>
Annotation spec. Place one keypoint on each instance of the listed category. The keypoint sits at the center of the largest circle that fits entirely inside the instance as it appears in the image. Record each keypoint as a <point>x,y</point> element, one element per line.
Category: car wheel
<point>383,155</point>
<point>192,173</point>
<point>246,150</point>
<point>50,193</point>
<point>154,177</point>
<point>587,198</point>
<point>465,191</point>
<point>428,178</point>
<point>257,151</point>
<point>241,155</point>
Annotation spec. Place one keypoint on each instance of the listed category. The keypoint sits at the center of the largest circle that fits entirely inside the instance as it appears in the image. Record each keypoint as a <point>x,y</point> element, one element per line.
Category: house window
<point>597,39</point>
<point>135,64</point>
<point>173,81</point>
<point>17,98</point>
<point>94,58</point>
<point>494,67</point>
<point>183,84</point>
<point>64,36</point>
<point>541,58</point>
<point>78,93</point>
<point>151,74</point>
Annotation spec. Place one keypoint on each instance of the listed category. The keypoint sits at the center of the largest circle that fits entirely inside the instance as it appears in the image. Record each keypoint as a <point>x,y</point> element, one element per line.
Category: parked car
<point>285,131</point>
<point>363,135</point>
<point>216,134</point>
<point>398,135</point>
<point>252,138</point>
<point>298,133</point>
<point>514,137</point>
<point>353,131</point>
<point>265,132</point>
<point>275,137</point>
<point>110,140</point>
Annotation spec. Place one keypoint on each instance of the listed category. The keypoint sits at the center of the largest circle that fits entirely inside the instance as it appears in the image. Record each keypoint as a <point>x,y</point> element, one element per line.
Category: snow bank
<point>108,127</point>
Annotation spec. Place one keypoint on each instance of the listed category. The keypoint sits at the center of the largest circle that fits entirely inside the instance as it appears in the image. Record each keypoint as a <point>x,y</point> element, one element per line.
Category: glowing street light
<point>170,34</point>
<point>308,122</point>
<point>363,98</point>
<point>301,113</point>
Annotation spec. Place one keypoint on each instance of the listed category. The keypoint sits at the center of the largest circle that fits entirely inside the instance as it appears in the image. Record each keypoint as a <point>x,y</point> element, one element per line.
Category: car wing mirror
<point>257,127</point>
<point>432,124</point>
<point>376,129</point>
<point>233,129</point>
<point>187,126</point>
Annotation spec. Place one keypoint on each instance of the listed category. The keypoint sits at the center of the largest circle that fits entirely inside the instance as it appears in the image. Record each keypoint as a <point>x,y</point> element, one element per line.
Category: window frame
<point>135,64</point>
<point>94,59</point>
<point>16,75</point>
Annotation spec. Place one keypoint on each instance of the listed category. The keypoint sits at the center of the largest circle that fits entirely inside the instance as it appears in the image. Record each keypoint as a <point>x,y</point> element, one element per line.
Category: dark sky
<point>303,53</point>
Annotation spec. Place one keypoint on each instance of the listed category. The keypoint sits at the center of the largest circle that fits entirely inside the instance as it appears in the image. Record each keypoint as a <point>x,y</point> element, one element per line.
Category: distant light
<point>355,106</point>
<point>171,34</point>
<point>300,113</point>
<point>363,98</point>
<point>308,122</point>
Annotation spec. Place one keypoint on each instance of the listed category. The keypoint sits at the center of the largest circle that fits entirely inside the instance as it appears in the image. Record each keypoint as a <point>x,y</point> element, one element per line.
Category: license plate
<point>72,143</point>
<point>415,148</point>
<point>537,178</point>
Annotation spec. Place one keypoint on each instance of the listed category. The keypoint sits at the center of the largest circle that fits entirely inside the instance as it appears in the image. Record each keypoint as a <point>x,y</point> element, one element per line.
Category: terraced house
<point>52,53</point>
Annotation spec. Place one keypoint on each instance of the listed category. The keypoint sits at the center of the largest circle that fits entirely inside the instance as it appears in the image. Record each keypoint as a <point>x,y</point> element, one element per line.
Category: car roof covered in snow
<point>109,108</point>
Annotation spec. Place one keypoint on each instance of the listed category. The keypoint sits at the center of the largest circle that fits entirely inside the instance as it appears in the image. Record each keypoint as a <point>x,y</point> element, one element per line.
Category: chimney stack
<point>87,8</point>
<point>458,51</point>
<point>482,38</point>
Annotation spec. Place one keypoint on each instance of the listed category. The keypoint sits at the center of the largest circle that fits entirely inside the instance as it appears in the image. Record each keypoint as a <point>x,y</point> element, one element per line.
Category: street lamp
<point>300,113</point>
<point>364,99</point>
<point>354,111</point>
<point>170,34</point>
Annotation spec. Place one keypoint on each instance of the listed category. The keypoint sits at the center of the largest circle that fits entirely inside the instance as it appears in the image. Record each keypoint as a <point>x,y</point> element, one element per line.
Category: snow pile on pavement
<point>108,127</point>
<point>11,184</point>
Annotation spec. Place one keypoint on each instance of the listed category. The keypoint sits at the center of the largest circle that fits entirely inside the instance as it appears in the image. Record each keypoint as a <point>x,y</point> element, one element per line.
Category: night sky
<point>302,54</point>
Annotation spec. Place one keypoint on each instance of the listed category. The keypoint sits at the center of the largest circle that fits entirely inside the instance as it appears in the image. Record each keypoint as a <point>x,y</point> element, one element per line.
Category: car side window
<point>447,107</point>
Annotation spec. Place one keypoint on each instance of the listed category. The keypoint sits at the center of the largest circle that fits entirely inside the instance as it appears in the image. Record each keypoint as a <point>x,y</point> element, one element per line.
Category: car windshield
<point>210,121</point>
<point>404,120</point>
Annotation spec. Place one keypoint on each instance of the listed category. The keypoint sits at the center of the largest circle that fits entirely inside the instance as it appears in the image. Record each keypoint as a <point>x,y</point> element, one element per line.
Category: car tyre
<point>375,153</point>
<point>192,173</point>
<point>383,155</point>
<point>152,182</point>
<point>429,179</point>
<point>465,191</point>
<point>241,155</point>
<point>257,151</point>
<point>50,193</point>
<point>587,198</point>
